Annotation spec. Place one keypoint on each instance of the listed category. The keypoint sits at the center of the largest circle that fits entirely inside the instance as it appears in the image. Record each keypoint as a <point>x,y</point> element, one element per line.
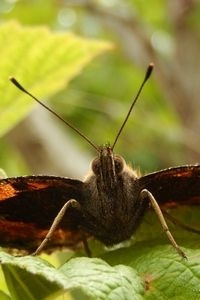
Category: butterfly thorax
<point>112,195</point>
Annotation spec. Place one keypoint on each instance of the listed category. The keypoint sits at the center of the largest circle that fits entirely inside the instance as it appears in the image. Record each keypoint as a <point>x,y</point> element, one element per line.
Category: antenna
<point>19,86</point>
<point>147,75</point>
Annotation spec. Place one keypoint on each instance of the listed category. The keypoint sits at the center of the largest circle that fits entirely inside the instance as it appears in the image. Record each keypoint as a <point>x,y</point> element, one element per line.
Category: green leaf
<point>32,278</point>
<point>166,275</point>
<point>98,280</point>
<point>144,271</point>
<point>4,296</point>
<point>43,61</point>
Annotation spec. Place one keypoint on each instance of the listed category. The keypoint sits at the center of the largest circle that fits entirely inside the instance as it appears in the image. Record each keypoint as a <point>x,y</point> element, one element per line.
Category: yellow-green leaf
<point>43,61</point>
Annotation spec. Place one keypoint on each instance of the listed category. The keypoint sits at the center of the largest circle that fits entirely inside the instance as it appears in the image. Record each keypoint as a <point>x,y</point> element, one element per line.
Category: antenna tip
<point>149,71</point>
<point>16,83</point>
<point>11,78</point>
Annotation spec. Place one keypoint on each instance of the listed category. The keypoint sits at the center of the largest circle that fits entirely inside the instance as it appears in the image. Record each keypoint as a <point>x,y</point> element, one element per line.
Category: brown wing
<point>28,206</point>
<point>174,186</point>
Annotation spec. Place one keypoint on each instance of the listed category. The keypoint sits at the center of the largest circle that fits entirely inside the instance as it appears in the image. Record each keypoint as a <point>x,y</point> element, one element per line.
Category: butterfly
<point>47,212</point>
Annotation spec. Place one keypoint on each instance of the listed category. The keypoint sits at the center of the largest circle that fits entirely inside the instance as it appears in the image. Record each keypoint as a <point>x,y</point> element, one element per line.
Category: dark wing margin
<point>174,186</point>
<point>28,206</point>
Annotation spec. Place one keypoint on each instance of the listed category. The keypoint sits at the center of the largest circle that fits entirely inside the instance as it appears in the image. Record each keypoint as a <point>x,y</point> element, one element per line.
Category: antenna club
<point>12,79</point>
<point>149,71</point>
<point>16,83</point>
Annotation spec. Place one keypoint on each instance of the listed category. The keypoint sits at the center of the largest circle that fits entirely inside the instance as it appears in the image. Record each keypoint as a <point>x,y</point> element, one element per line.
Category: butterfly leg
<point>148,195</point>
<point>85,245</point>
<point>56,222</point>
<point>180,224</point>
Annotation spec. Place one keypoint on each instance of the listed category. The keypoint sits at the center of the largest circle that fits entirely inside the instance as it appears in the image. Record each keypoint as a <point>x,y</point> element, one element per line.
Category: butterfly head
<point>107,166</point>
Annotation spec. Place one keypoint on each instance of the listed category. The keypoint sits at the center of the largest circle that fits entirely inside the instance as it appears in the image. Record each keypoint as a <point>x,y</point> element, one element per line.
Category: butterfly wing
<point>28,206</point>
<point>174,186</point>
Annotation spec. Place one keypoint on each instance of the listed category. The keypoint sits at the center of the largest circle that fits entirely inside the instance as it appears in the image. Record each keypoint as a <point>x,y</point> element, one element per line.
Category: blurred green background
<point>164,127</point>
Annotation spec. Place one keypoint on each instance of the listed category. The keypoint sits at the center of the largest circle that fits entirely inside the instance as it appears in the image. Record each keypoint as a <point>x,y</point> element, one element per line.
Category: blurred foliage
<point>39,74</point>
<point>103,92</point>
<point>37,68</point>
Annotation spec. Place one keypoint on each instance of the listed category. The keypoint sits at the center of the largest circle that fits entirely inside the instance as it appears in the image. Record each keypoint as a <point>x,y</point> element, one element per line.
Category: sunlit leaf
<point>43,61</point>
<point>32,278</point>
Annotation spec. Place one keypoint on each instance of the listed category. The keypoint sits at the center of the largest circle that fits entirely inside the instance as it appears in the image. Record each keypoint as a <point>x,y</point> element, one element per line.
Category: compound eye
<point>119,164</point>
<point>95,166</point>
